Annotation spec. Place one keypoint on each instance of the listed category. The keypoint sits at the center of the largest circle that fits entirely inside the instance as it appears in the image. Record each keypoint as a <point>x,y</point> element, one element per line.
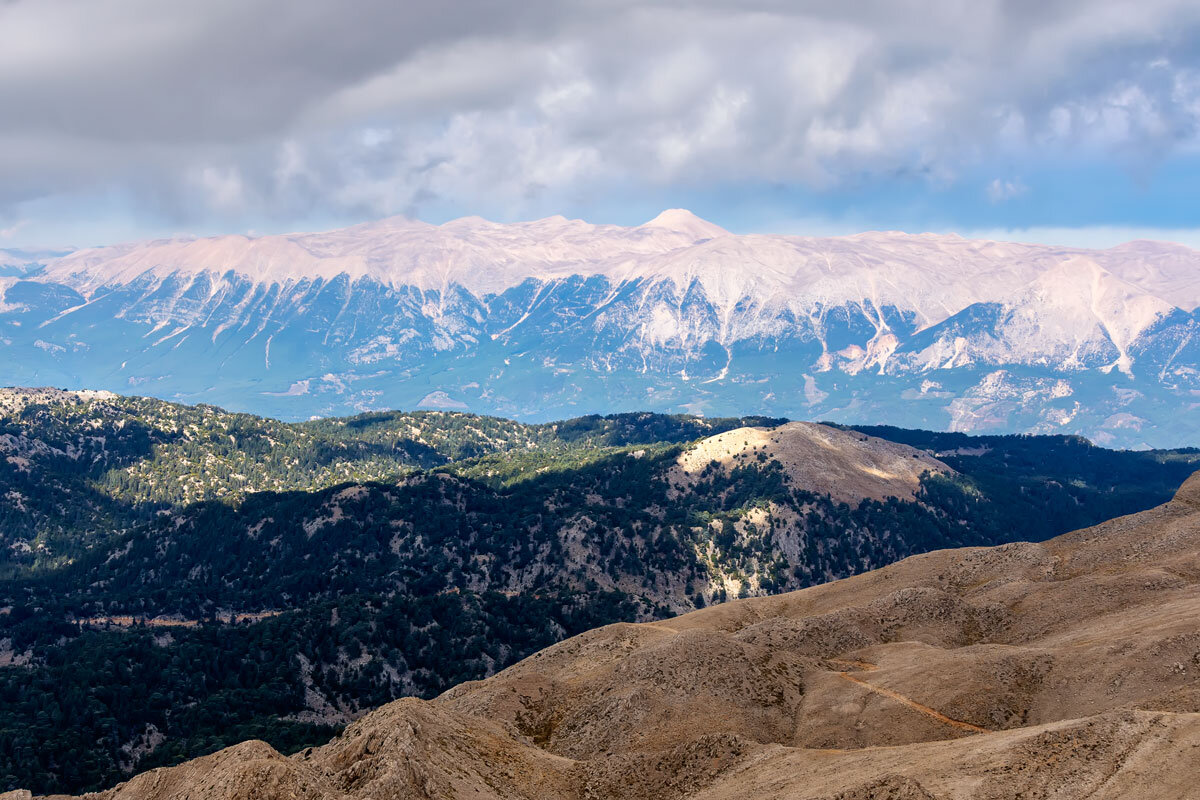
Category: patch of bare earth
<point>846,465</point>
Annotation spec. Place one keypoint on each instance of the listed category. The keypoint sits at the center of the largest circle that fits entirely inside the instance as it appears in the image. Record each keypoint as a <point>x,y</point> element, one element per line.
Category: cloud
<point>216,110</point>
<point>12,230</point>
<point>1000,190</point>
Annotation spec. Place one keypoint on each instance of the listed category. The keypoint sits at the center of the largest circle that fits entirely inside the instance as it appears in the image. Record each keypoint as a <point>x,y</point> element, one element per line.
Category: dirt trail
<point>864,666</point>
<point>855,666</point>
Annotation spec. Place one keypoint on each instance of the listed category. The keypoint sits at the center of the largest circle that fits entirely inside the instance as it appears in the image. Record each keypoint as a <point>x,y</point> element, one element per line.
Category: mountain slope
<point>284,615</point>
<point>954,674</point>
<point>558,317</point>
<point>78,466</point>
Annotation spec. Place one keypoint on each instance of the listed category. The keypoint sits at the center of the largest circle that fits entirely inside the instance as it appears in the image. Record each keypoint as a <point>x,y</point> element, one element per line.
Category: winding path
<point>863,666</point>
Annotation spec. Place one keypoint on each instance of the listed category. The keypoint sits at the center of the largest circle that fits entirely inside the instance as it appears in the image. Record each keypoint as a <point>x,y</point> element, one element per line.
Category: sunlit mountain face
<point>557,317</point>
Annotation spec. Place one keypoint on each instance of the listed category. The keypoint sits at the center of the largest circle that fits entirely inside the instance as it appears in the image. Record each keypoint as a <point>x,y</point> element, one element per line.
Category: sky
<point>1040,120</point>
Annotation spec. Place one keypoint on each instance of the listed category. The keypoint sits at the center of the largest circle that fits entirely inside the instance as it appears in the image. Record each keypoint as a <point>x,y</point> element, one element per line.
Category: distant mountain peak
<point>684,221</point>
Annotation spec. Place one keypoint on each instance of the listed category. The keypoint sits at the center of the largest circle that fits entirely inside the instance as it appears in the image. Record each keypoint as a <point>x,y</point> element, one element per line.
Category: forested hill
<point>117,461</point>
<point>147,624</point>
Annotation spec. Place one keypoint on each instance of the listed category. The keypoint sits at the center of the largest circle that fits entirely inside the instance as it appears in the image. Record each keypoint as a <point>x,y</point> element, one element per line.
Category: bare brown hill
<point>847,465</point>
<point>1068,669</point>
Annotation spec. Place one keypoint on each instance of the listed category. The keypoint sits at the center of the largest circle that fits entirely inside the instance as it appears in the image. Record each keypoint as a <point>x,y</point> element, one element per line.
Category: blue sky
<point>1070,122</point>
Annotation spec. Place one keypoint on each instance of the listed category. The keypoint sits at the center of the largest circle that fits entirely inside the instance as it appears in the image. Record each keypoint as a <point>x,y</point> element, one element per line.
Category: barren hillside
<point>847,465</point>
<point>1066,669</point>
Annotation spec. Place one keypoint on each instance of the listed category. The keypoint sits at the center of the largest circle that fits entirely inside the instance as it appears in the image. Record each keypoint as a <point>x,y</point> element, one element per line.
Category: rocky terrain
<point>177,579</point>
<point>1065,669</point>
<point>556,317</point>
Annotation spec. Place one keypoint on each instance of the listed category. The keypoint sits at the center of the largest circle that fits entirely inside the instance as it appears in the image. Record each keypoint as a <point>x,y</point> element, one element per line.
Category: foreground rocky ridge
<point>1065,669</point>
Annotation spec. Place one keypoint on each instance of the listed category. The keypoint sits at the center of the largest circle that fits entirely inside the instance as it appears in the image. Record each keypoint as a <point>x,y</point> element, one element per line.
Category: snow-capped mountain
<point>556,317</point>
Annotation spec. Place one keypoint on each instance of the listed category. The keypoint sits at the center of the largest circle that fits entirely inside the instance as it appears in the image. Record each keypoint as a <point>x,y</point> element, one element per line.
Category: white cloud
<point>12,230</point>
<point>203,110</point>
<point>1000,190</point>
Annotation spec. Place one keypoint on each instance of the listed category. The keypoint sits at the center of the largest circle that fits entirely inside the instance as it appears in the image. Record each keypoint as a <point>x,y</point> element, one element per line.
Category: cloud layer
<point>195,112</point>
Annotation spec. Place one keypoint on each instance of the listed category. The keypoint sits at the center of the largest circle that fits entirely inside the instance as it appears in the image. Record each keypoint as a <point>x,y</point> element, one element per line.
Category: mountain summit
<point>682,220</point>
<point>557,317</point>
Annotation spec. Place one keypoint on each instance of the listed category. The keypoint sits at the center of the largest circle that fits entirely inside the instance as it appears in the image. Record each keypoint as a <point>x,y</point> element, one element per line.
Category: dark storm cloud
<point>204,110</point>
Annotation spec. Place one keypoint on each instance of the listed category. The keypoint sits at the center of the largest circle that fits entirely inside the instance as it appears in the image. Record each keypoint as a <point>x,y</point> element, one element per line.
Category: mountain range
<point>557,317</point>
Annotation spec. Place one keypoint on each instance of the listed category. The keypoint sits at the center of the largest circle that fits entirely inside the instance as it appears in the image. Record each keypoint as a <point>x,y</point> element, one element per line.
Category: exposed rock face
<point>1068,669</point>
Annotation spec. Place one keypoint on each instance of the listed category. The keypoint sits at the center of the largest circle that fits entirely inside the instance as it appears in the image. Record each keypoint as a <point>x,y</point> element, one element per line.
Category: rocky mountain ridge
<point>553,317</point>
<point>910,272</point>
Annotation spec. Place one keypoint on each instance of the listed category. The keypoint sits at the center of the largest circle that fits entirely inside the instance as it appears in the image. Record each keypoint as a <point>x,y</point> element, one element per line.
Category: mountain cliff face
<point>1065,669</point>
<point>548,318</point>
